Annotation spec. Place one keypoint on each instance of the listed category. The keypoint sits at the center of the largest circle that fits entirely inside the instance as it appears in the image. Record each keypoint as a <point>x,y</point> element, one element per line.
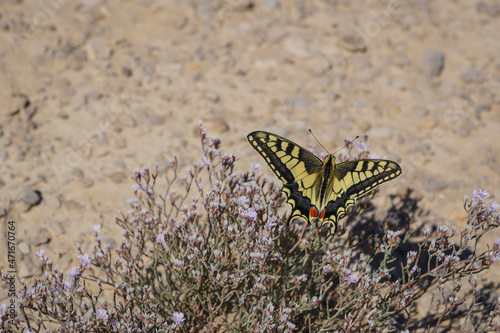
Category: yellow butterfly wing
<point>297,168</point>
<point>289,161</point>
<point>354,179</point>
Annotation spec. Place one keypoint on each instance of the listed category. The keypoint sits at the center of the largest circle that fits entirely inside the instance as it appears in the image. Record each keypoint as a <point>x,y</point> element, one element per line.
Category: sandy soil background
<point>92,89</point>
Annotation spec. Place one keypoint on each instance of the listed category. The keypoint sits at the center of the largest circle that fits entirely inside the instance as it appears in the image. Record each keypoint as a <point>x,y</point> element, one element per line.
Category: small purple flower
<point>96,228</point>
<point>251,214</point>
<point>178,262</point>
<point>270,309</point>
<point>3,308</point>
<point>178,318</point>
<point>160,238</point>
<point>173,161</point>
<point>84,260</point>
<point>479,195</point>
<point>73,273</point>
<point>496,250</point>
<point>373,156</point>
<point>302,278</point>
<point>255,166</point>
<point>494,205</point>
<point>361,146</point>
<point>40,253</point>
<point>205,161</point>
<point>102,314</point>
<point>270,224</point>
<point>243,201</point>
<point>351,278</point>
<point>67,284</point>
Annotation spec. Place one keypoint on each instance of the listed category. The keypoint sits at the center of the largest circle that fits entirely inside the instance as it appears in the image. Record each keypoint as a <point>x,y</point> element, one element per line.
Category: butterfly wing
<point>296,167</point>
<point>289,161</point>
<point>354,179</point>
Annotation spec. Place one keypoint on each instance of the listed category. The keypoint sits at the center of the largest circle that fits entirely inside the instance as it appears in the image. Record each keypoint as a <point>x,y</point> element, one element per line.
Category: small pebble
<point>420,110</point>
<point>24,248</point>
<point>30,196</point>
<point>127,71</point>
<point>55,228</point>
<point>299,101</point>
<point>29,266</point>
<point>465,129</point>
<point>432,62</point>
<point>211,96</point>
<point>471,75</point>
<point>270,5</point>
<point>352,42</point>
<point>491,9</point>
<point>432,184</point>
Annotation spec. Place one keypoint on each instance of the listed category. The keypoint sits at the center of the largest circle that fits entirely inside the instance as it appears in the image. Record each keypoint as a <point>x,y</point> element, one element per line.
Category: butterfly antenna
<point>347,144</point>
<point>318,141</point>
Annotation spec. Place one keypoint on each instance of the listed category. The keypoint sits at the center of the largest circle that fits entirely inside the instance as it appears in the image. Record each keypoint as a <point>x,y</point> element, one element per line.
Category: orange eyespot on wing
<point>314,212</point>
<point>322,215</point>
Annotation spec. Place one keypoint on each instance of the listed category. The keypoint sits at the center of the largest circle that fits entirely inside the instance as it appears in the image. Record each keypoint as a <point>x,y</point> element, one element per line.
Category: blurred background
<point>91,90</point>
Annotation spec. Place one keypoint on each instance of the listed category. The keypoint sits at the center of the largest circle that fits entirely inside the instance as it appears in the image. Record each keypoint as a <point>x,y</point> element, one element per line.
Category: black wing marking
<point>299,203</point>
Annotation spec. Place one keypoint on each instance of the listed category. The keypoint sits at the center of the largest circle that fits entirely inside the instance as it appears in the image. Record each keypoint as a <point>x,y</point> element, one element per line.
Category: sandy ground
<point>92,89</point>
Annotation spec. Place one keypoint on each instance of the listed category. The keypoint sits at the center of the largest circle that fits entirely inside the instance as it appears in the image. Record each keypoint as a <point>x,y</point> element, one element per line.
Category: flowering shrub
<point>211,251</point>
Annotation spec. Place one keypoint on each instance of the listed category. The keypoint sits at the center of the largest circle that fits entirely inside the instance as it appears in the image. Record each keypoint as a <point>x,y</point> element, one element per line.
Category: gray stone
<point>30,196</point>
<point>353,42</point>
<point>41,237</point>
<point>481,108</point>
<point>24,248</point>
<point>296,47</point>
<point>211,96</point>
<point>5,142</point>
<point>270,5</point>
<point>55,228</point>
<point>465,129</point>
<point>299,101</point>
<point>30,110</point>
<point>52,202</point>
<point>118,177</point>
<point>127,71</point>
<point>471,75</point>
<point>29,266</point>
<point>420,110</point>
<point>432,184</point>
<point>491,9</point>
<point>432,62</point>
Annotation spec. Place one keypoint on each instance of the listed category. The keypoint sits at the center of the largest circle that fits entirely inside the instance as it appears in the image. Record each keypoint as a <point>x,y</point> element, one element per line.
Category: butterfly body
<point>317,189</point>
